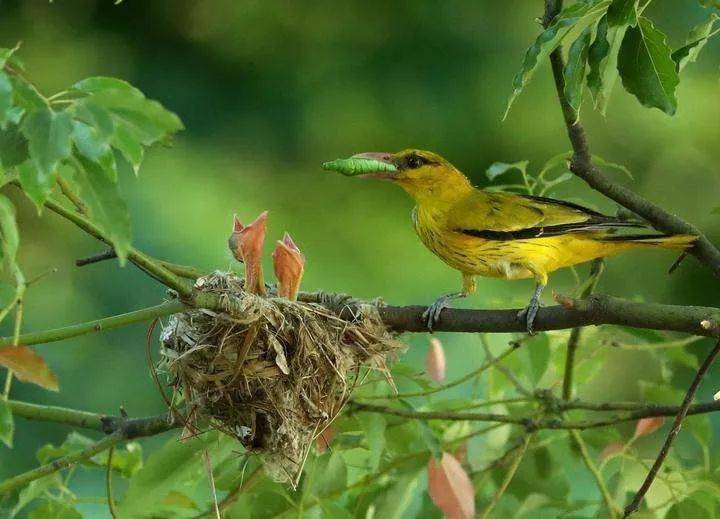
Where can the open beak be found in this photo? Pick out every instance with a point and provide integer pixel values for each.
(380, 157)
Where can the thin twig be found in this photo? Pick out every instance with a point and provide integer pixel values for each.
(487, 365)
(503, 369)
(108, 484)
(508, 477)
(590, 464)
(674, 430)
(574, 340)
(60, 464)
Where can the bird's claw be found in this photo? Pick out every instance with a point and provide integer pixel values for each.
(432, 314)
(528, 314)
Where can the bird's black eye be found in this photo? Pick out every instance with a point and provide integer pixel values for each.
(415, 161)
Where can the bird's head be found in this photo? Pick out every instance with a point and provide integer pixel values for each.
(426, 176)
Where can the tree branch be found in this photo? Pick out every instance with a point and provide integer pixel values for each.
(59, 464)
(583, 167)
(674, 430)
(98, 325)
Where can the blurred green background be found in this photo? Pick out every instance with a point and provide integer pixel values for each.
(270, 89)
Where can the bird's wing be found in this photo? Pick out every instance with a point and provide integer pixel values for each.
(502, 216)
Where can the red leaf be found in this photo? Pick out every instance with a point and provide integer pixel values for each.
(325, 438)
(28, 366)
(450, 487)
(289, 264)
(647, 426)
(435, 362)
(610, 449)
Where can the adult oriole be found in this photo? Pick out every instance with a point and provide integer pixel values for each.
(502, 235)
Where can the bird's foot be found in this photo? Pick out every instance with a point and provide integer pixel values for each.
(528, 314)
(432, 314)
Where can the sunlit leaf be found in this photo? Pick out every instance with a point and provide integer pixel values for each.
(106, 206)
(48, 134)
(647, 68)
(95, 146)
(7, 425)
(28, 366)
(576, 16)
(450, 487)
(695, 42)
(574, 72)
(599, 161)
(435, 361)
(646, 426)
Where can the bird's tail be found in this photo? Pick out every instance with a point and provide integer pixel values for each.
(664, 241)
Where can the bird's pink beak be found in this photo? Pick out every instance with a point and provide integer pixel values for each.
(380, 156)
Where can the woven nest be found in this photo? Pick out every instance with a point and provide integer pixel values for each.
(271, 372)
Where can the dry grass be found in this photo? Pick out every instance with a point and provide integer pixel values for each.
(271, 372)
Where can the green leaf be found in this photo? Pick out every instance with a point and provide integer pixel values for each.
(330, 474)
(647, 68)
(138, 121)
(374, 427)
(106, 206)
(13, 146)
(27, 96)
(574, 72)
(537, 351)
(426, 433)
(176, 466)
(603, 53)
(126, 460)
(397, 500)
(577, 16)
(695, 42)
(7, 425)
(55, 510)
(598, 160)
(48, 134)
(9, 238)
(6, 97)
(5, 54)
(36, 489)
(95, 146)
(500, 168)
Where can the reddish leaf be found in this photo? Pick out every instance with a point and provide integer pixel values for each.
(288, 263)
(450, 487)
(325, 438)
(435, 361)
(647, 426)
(28, 366)
(246, 243)
(610, 449)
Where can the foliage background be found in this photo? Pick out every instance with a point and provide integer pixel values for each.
(269, 90)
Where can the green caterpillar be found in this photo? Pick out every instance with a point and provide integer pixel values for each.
(352, 167)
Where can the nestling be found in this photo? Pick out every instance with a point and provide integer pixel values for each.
(502, 235)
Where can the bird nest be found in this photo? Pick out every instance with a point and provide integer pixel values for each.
(273, 373)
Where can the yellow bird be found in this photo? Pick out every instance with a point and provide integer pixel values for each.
(504, 235)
